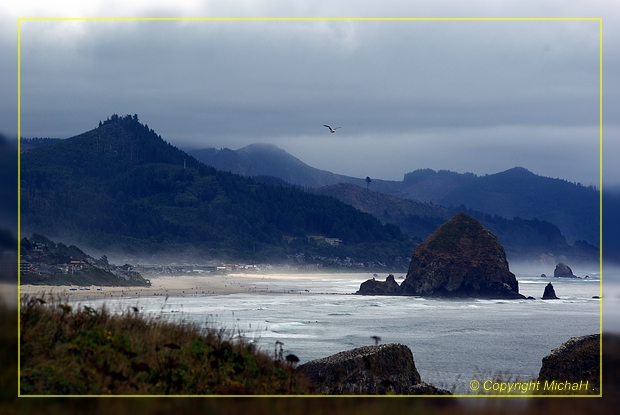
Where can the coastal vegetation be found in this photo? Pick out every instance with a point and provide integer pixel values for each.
(67, 349)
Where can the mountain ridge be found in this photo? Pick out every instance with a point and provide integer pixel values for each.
(515, 192)
(268, 160)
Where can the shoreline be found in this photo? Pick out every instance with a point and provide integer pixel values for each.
(197, 284)
(180, 285)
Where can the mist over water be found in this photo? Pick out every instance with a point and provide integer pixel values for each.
(453, 340)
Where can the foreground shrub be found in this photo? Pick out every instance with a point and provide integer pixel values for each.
(94, 352)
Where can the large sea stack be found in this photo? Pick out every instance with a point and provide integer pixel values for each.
(461, 259)
(563, 271)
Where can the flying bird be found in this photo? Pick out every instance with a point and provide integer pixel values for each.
(331, 130)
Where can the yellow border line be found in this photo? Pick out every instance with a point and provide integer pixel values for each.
(600, 203)
(311, 19)
(600, 20)
(19, 204)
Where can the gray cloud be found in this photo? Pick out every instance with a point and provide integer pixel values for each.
(465, 96)
(230, 84)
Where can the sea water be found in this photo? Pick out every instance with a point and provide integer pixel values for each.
(453, 340)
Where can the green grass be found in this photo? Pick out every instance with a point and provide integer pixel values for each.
(94, 352)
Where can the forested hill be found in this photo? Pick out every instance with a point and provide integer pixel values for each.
(121, 187)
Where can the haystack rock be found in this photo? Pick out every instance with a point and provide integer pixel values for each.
(461, 259)
(381, 369)
(576, 364)
(374, 287)
(563, 271)
(549, 293)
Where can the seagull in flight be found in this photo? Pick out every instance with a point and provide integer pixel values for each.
(331, 130)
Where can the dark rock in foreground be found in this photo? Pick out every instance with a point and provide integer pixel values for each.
(563, 271)
(461, 259)
(574, 366)
(549, 293)
(374, 287)
(368, 370)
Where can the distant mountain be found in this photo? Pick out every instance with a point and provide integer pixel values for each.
(516, 192)
(520, 193)
(122, 188)
(532, 240)
(268, 160)
(432, 186)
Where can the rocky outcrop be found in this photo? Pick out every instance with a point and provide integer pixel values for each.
(461, 259)
(549, 293)
(374, 287)
(576, 361)
(382, 369)
(563, 271)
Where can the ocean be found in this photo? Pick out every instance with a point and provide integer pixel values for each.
(453, 341)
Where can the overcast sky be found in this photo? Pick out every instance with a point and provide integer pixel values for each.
(467, 96)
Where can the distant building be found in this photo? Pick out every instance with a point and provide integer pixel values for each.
(74, 266)
(333, 241)
(316, 238)
(25, 266)
(319, 238)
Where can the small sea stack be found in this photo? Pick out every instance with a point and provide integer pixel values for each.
(374, 287)
(549, 293)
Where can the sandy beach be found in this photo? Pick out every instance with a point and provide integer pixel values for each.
(181, 285)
